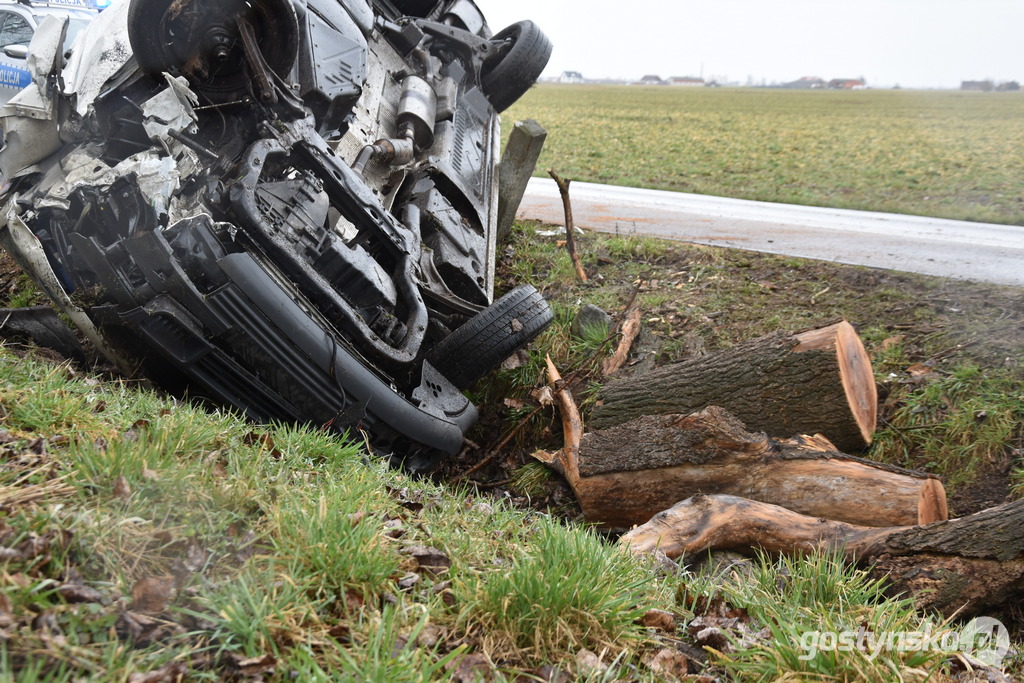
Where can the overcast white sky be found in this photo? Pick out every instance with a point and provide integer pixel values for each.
(913, 43)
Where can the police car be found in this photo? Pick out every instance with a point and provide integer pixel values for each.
(18, 22)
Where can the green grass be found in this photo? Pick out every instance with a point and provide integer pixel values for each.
(548, 601)
(277, 548)
(791, 598)
(956, 423)
(944, 154)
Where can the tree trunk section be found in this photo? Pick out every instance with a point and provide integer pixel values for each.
(816, 382)
(630, 472)
(963, 566)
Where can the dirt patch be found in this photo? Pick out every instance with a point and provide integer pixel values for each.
(990, 488)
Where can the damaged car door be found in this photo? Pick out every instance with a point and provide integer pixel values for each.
(286, 206)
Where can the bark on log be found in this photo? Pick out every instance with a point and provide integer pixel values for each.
(630, 472)
(816, 382)
(963, 565)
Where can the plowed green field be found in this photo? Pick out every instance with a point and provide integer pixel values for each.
(936, 153)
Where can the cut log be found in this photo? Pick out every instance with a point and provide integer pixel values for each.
(630, 472)
(816, 382)
(960, 566)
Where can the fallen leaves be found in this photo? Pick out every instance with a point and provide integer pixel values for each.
(659, 620)
(589, 664)
(34, 548)
(143, 630)
(172, 672)
(152, 594)
(670, 663)
(122, 490)
(251, 667)
(428, 559)
(265, 441)
(471, 668)
(77, 592)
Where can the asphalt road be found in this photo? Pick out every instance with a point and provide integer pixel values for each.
(984, 252)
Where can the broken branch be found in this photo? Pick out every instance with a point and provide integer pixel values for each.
(630, 331)
(570, 237)
(572, 425)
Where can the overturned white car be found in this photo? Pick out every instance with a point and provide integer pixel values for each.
(286, 206)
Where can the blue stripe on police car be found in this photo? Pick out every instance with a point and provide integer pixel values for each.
(14, 77)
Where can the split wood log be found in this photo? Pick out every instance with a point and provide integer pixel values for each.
(630, 472)
(816, 382)
(963, 565)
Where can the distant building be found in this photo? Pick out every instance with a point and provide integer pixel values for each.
(977, 86)
(571, 77)
(805, 83)
(687, 82)
(651, 79)
(847, 84)
(1008, 86)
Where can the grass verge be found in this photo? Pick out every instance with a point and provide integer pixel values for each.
(139, 534)
(946, 353)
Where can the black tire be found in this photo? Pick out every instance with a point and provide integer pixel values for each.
(518, 66)
(491, 336)
(205, 46)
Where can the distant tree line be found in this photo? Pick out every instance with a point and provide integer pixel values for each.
(989, 86)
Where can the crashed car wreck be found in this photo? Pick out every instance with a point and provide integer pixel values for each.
(285, 206)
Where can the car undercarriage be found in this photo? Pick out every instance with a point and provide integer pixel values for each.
(284, 206)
